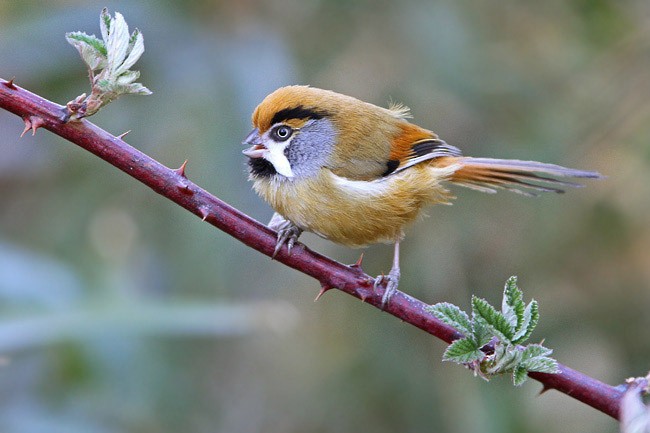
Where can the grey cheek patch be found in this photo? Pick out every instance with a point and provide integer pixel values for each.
(311, 147)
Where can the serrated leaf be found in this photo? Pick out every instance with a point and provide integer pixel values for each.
(513, 305)
(105, 23)
(463, 351)
(134, 51)
(138, 89)
(127, 77)
(529, 323)
(535, 357)
(452, 316)
(91, 49)
(542, 364)
(535, 350)
(92, 40)
(492, 319)
(519, 376)
(482, 335)
(118, 42)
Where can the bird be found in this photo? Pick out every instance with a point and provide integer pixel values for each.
(359, 174)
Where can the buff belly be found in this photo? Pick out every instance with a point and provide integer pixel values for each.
(356, 213)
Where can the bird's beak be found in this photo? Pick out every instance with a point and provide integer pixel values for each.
(256, 149)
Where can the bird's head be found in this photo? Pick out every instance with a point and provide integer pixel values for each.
(294, 133)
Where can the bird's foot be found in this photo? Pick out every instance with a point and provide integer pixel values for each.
(287, 236)
(288, 233)
(392, 280)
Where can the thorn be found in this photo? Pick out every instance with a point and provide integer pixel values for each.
(37, 122)
(358, 262)
(323, 288)
(544, 389)
(122, 135)
(33, 123)
(28, 126)
(181, 170)
(366, 289)
(204, 214)
(10, 83)
(366, 293)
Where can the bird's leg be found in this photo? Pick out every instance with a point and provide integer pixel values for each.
(392, 279)
(288, 233)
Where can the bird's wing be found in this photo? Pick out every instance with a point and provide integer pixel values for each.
(376, 157)
(423, 150)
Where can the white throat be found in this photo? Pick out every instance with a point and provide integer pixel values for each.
(275, 155)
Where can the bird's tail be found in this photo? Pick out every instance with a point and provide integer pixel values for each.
(524, 177)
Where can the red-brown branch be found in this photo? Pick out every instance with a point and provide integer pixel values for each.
(172, 184)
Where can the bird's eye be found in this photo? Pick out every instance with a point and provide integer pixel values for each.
(281, 133)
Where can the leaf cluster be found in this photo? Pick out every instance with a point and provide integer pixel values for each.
(112, 56)
(506, 329)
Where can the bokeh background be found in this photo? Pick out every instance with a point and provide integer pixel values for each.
(121, 312)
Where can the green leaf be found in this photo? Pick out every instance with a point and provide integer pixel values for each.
(534, 350)
(128, 77)
(481, 333)
(529, 323)
(505, 329)
(519, 376)
(505, 360)
(112, 56)
(138, 89)
(492, 319)
(105, 21)
(452, 316)
(513, 304)
(535, 357)
(117, 42)
(463, 351)
(91, 40)
(542, 364)
(134, 51)
(91, 49)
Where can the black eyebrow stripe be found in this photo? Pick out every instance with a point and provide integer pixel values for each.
(298, 112)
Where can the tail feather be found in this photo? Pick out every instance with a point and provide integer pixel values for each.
(523, 177)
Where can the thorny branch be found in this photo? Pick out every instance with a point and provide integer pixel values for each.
(37, 112)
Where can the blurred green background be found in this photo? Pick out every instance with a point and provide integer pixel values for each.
(121, 312)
